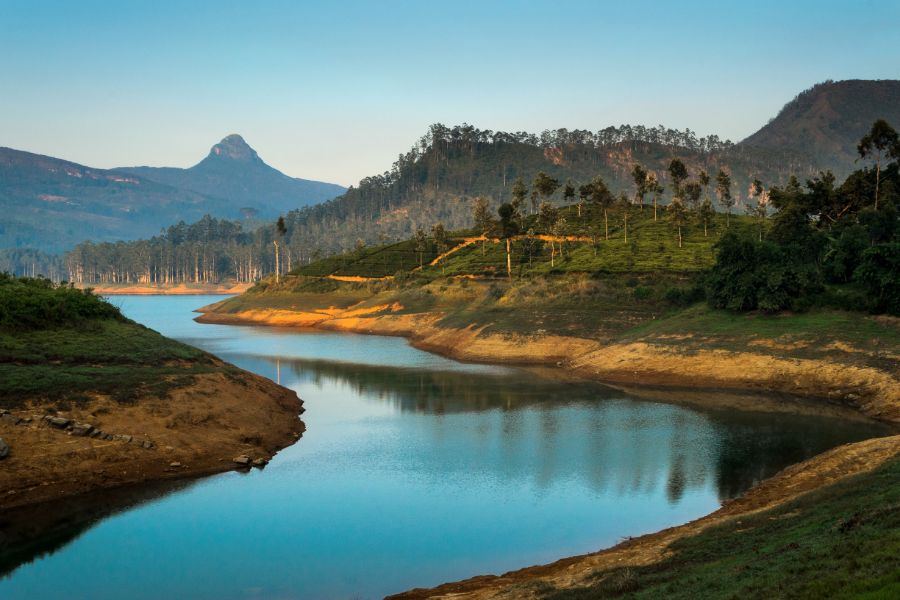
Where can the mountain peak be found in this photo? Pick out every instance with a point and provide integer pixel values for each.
(234, 147)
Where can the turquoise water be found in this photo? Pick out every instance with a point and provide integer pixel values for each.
(414, 470)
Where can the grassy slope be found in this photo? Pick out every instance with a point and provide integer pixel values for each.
(90, 350)
(842, 541)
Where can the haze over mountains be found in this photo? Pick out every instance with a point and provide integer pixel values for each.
(52, 204)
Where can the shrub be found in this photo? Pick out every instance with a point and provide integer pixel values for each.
(879, 274)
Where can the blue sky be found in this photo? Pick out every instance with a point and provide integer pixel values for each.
(335, 90)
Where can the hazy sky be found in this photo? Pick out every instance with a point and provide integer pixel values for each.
(335, 90)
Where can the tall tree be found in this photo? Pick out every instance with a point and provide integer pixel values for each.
(655, 188)
(584, 192)
(639, 176)
(881, 140)
(548, 216)
(603, 199)
(569, 194)
(519, 194)
(280, 230)
(723, 193)
(421, 241)
(705, 214)
(482, 218)
(692, 191)
(439, 235)
(508, 228)
(545, 185)
(758, 207)
(704, 179)
(624, 205)
(678, 174)
(678, 216)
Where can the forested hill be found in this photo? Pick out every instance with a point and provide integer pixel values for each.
(825, 122)
(436, 180)
(235, 173)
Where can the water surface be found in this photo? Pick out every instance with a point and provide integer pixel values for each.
(414, 470)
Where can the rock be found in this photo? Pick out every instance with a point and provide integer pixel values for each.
(175, 464)
(148, 444)
(242, 460)
(10, 418)
(126, 438)
(3, 411)
(82, 429)
(59, 422)
(109, 436)
(4, 449)
(96, 433)
(260, 462)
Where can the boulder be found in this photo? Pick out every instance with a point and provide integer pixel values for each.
(242, 460)
(175, 464)
(260, 462)
(59, 422)
(4, 449)
(10, 418)
(82, 429)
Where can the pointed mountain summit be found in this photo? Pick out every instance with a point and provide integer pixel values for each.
(233, 147)
(234, 173)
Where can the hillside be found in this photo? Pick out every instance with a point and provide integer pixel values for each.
(234, 173)
(825, 122)
(90, 399)
(53, 204)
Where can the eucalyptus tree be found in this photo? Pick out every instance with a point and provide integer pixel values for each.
(584, 192)
(280, 230)
(705, 214)
(569, 193)
(723, 193)
(655, 188)
(624, 205)
(482, 217)
(603, 199)
(704, 179)
(421, 244)
(881, 141)
(759, 208)
(519, 193)
(692, 192)
(545, 185)
(678, 216)
(641, 183)
(548, 217)
(508, 228)
(678, 174)
(439, 235)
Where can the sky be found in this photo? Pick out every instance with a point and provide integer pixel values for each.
(335, 90)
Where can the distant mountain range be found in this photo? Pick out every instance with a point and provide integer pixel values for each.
(53, 204)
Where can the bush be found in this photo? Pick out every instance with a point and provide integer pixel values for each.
(28, 304)
(752, 275)
(879, 273)
(685, 296)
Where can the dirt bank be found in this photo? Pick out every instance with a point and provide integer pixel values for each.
(170, 290)
(197, 430)
(760, 370)
(577, 571)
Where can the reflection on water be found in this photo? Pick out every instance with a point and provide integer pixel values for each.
(413, 470)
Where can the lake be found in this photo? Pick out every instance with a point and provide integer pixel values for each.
(414, 470)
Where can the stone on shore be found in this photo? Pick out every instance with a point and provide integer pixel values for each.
(82, 429)
(242, 460)
(4, 449)
(59, 422)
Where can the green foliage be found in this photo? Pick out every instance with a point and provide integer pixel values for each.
(751, 275)
(30, 304)
(879, 273)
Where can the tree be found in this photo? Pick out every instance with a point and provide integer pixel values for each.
(508, 228)
(549, 216)
(519, 193)
(624, 205)
(603, 199)
(692, 193)
(421, 244)
(545, 185)
(655, 188)
(704, 180)
(705, 214)
(584, 192)
(882, 139)
(639, 176)
(678, 173)
(569, 194)
(482, 218)
(758, 208)
(439, 235)
(723, 193)
(280, 230)
(678, 215)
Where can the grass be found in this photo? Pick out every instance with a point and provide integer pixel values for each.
(73, 345)
(842, 541)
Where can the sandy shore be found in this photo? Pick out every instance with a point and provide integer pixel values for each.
(176, 290)
(757, 379)
(198, 429)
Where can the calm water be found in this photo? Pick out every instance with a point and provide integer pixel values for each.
(414, 470)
